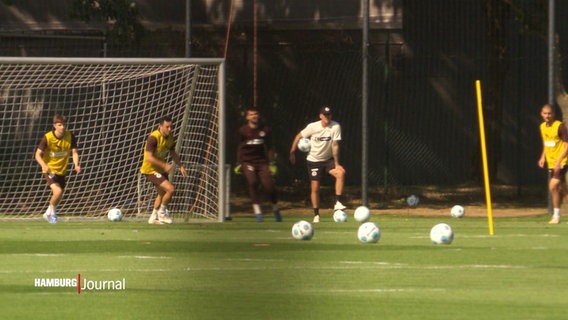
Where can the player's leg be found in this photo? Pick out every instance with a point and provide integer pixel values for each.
(166, 189)
(315, 170)
(157, 203)
(557, 191)
(315, 197)
(56, 194)
(56, 184)
(267, 182)
(250, 173)
(339, 175)
(554, 187)
(157, 180)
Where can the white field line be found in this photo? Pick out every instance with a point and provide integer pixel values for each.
(385, 290)
(387, 265)
(84, 271)
(145, 257)
(62, 255)
(350, 265)
(481, 236)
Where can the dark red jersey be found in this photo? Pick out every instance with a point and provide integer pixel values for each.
(254, 144)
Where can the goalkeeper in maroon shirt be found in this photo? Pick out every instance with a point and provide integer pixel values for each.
(255, 159)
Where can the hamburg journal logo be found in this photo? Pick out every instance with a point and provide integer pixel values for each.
(81, 284)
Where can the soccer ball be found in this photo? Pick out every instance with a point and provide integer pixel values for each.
(340, 216)
(457, 211)
(114, 214)
(362, 214)
(412, 201)
(369, 232)
(304, 145)
(302, 230)
(441, 234)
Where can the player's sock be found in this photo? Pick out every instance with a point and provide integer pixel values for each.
(256, 208)
(316, 211)
(276, 212)
(47, 213)
(556, 213)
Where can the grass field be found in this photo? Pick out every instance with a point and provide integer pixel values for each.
(247, 270)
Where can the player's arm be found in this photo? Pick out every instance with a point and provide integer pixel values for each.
(335, 154)
(177, 160)
(151, 145)
(293, 148)
(75, 156)
(39, 160)
(563, 133)
(542, 158)
(240, 145)
(39, 155)
(335, 151)
(157, 162)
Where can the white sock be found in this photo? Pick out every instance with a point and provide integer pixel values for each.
(154, 212)
(256, 208)
(556, 213)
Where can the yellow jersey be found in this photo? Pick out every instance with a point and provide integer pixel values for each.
(159, 146)
(553, 143)
(56, 151)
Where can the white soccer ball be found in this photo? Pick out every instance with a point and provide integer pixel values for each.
(362, 214)
(340, 216)
(302, 230)
(369, 232)
(114, 214)
(412, 201)
(442, 234)
(457, 211)
(304, 145)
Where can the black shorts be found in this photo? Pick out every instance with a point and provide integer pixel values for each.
(316, 170)
(561, 175)
(52, 178)
(157, 178)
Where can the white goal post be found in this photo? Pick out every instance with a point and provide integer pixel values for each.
(112, 105)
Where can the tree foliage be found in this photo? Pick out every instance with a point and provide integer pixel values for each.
(120, 16)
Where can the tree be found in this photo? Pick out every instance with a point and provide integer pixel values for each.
(533, 19)
(496, 12)
(120, 16)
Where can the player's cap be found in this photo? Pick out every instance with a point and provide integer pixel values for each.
(326, 110)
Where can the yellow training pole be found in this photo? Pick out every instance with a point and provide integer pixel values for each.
(484, 156)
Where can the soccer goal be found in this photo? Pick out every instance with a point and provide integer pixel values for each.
(112, 105)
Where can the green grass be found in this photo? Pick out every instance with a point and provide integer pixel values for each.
(245, 270)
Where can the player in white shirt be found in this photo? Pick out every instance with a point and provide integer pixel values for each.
(323, 157)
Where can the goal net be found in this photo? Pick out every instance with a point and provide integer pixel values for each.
(112, 105)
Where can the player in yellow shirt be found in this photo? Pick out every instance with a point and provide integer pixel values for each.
(156, 168)
(52, 155)
(555, 149)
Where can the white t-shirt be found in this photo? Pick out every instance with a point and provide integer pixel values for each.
(321, 139)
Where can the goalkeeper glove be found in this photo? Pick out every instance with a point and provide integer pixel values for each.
(273, 168)
(237, 169)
